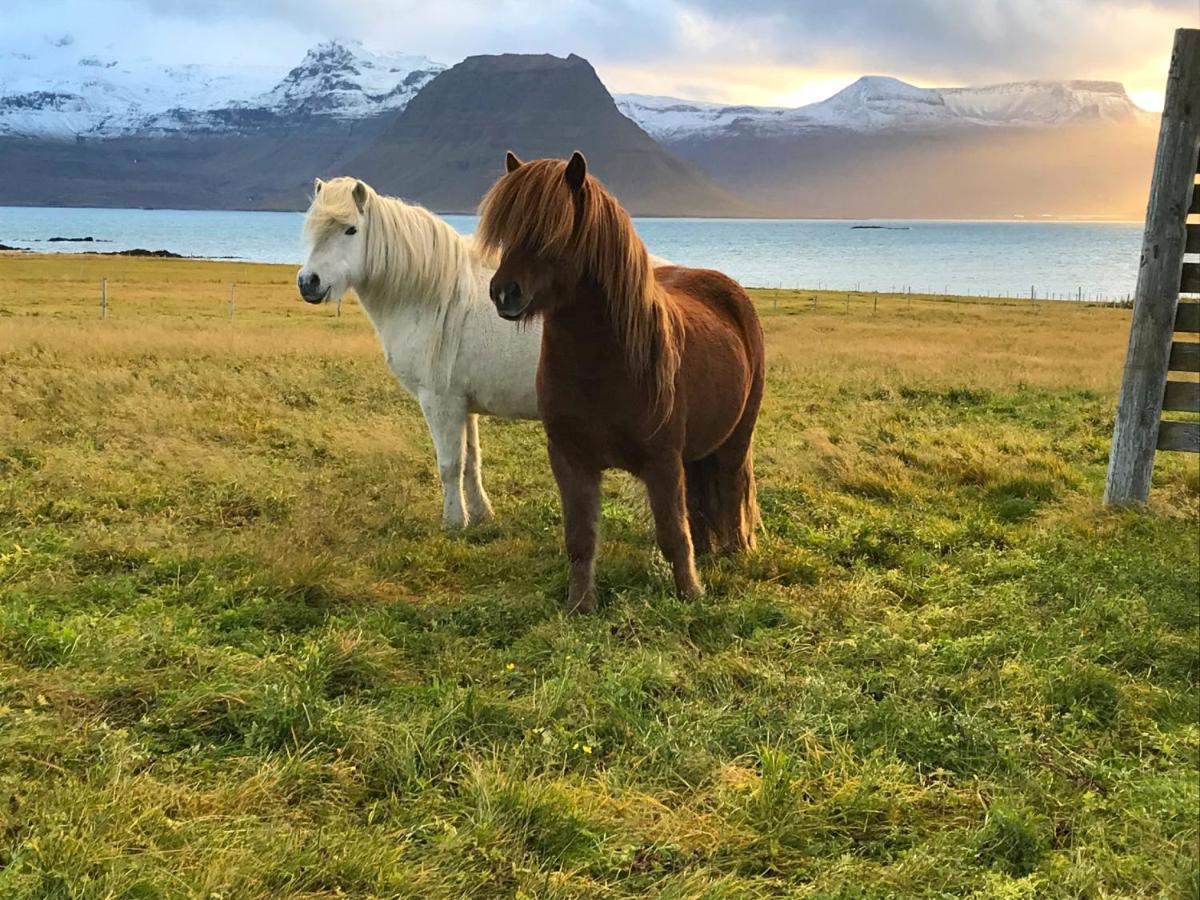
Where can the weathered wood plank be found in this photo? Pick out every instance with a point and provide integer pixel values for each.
(1187, 317)
(1179, 436)
(1143, 383)
(1192, 244)
(1189, 281)
(1184, 357)
(1182, 396)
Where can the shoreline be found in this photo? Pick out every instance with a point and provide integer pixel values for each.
(760, 292)
(1016, 218)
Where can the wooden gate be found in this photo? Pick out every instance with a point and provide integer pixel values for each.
(1169, 268)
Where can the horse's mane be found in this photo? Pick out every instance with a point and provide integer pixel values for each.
(411, 253)
(533, 207)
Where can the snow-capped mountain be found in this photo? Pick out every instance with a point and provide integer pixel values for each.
(91, 130)
(60, 94)
(348, 81)
(63, 96)
(875, 103)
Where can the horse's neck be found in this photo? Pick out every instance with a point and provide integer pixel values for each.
(580, 328)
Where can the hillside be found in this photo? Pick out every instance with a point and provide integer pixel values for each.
(1097, 169)
(884, 148)
(448, 145)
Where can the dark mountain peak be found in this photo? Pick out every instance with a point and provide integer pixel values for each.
(517, 81)
(447, 146)
(523, 62)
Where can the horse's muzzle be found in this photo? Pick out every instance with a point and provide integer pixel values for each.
(508, 301)
(310, 288)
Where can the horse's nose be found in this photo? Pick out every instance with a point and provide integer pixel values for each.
(503, 295)
(507, 299)
(309, 284)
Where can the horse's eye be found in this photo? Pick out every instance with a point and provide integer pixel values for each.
(351, 230)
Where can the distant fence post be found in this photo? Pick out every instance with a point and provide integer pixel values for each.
(1162, 276)
(103, 298)
(231, 300)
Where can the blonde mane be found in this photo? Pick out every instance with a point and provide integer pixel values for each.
(533, 207)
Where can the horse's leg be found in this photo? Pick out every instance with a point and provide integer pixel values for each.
(668, 501)
(447, 420)
(579, 488)
(479, 508)
(700, 482)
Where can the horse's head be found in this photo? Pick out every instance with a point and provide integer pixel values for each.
(530, 215)
(335, 227)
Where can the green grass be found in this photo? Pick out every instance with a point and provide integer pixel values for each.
(239, 658)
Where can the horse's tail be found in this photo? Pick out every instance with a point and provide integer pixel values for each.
(722, 502)
(722, 496)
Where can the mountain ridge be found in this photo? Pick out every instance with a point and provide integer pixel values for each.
(99, 131)
(874, 102)
(345, 79)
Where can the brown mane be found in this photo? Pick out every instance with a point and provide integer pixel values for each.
(533, 207)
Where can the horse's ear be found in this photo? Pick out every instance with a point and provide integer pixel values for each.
(511, 163)
(576, 170)
(317, 185)
(360, 196)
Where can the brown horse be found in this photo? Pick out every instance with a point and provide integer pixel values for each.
(655, 371)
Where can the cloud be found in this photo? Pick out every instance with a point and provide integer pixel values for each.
(676, 44)
(969, 40)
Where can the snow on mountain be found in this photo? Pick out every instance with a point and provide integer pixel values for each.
(1044, 102)
(348, 81)
(667, 118)
(59, 94)
(62, 96)
(879, 102)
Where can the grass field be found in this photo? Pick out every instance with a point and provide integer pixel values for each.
(239, 658)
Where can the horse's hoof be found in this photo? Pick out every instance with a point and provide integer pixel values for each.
(582, 605)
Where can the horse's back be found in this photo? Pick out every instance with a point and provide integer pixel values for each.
(706, 294)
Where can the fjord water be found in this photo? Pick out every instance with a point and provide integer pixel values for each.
(1008, 258)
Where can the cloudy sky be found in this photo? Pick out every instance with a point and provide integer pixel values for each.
(783, 52)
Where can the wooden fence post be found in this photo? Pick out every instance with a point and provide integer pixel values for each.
(231, 296)
(104, 298)
(1172, 196)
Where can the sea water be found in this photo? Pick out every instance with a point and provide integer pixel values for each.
(1096, 259)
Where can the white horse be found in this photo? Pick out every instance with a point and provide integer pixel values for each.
(425, 289)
